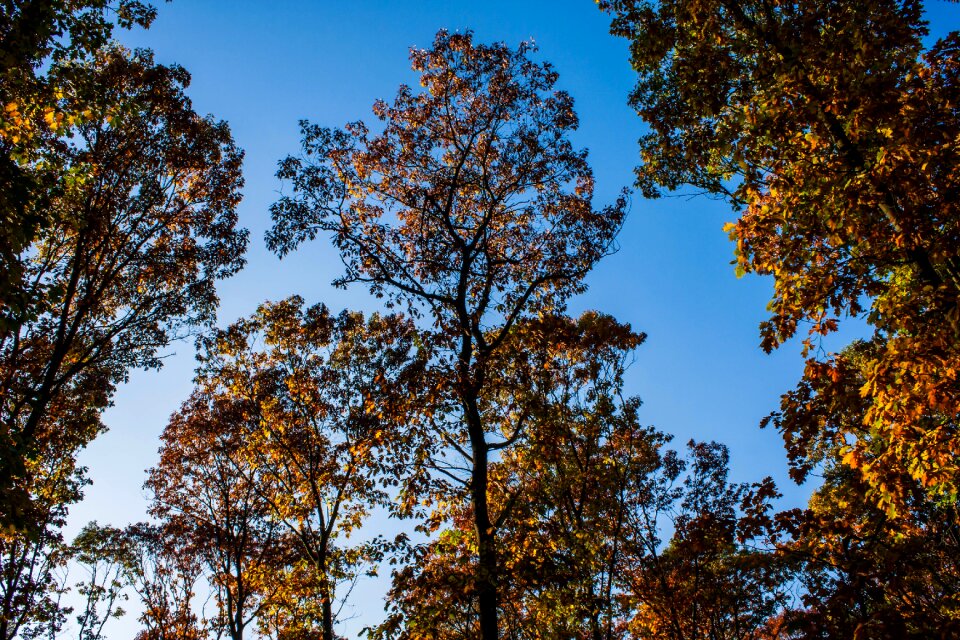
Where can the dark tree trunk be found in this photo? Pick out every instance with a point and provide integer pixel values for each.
(487, 567)
(327, 607)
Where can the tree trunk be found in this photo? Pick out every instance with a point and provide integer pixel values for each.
(487, 569)
(327, 607)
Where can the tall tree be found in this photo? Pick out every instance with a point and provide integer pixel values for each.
(844, 161)
(867, 575)
(561, 546)
(31, 565)
(103, 555)
(470, 206)
(142, 224)
(864, 571)
(568, 478)
(720, 574)
(326, 431)
(598, 564)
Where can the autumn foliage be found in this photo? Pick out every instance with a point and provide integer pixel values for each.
(472, 207)
(492, 431)
(843, 159)
(119, 216)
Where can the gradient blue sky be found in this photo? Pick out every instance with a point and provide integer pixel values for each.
(262, 66)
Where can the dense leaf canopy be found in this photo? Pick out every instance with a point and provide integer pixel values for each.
(844, 161)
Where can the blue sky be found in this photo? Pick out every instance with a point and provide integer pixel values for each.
(262, 66)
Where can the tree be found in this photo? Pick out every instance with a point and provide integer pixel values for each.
(142, 224)
(103, 554)
(470, 206)
(33, 35)
(322, 429)
(127, 264)
(568, 478)
(559, 540)
(867, 575)
(720, 575)
(843, 159)
(595, 565)
(214, 509)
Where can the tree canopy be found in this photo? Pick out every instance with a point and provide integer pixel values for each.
(469, 434)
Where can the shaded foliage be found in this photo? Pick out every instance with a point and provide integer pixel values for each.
(212, 506)
(865, 571)
(34, 34)
(127, 264)
(141, 225)
(843, 162)
(163, 580)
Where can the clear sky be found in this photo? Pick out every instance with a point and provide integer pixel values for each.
(262, 66)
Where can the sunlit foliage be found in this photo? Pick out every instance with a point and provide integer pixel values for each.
(470, 206)
(843, 159)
